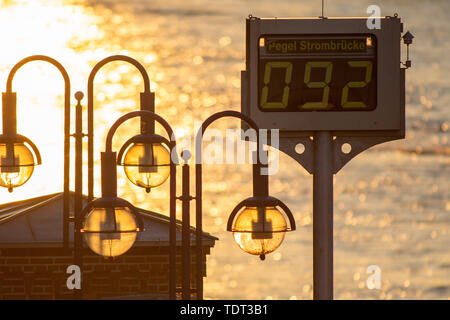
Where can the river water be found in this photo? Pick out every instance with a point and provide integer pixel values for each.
(392, 203)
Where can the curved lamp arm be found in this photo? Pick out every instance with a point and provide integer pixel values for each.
(217, 116)
(107, 60)
(142, 113)
(147, 103)
(22, 62)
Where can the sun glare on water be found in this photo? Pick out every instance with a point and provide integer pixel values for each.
(391, 202)
(67, 32)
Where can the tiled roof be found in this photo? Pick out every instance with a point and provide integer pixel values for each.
(37, 222)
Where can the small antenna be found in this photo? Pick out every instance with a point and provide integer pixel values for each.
(323, 9)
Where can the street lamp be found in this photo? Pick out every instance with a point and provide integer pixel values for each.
(112, 247)
(257, 223)
(146, 160)
(18, 154)
(260, 227)
(110, 224)
(110, 227)
(17, 160)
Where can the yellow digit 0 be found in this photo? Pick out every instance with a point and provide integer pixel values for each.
(287, 80)
(356, 84)
(318, 84)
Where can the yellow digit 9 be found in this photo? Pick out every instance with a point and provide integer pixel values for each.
(287, 80)
(318, 84)
(356, 84)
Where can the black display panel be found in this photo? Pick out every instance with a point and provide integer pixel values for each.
(317, 74)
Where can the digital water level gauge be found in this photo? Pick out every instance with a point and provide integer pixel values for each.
(327, 89)
(333, 74)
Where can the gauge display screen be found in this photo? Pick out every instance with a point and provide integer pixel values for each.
(326, 73)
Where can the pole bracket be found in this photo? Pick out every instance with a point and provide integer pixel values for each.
(345, 147)
(78, 135)
(185, 198)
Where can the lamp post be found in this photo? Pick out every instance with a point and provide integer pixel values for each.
(147, 102)
(16, 162)
(258, 229)
(109, 190)
(110, 224)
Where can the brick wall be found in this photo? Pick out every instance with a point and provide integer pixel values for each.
(40, 273)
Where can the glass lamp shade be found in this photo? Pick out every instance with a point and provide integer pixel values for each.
(16, 164)
(259, 230)
(110, 232)
(147, 165)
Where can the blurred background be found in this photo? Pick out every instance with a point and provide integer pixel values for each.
(392, 203)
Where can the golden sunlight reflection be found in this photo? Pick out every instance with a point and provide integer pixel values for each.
(39, 85)
(71, 34)
(391, 202)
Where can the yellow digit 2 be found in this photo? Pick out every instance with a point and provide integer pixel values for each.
(356, 84)
(287, 80)
(318, 84)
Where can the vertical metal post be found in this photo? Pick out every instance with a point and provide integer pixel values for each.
(66, 194)
(323, 216)
(198, 229)
(9, 102)
(109, 174)
(172, 233)
(147, 103)
(78, 240)
(186, 237)
(260, 181)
